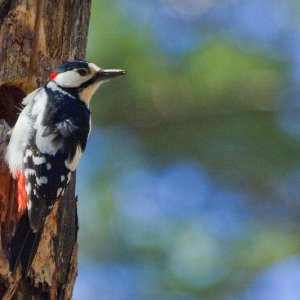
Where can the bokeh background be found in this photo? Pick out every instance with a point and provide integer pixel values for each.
(190, 185)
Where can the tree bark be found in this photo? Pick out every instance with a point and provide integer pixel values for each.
(35, 37)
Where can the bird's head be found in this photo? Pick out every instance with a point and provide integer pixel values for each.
(82, 77)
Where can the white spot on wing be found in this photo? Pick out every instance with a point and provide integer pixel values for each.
(48, 165)
(62, 178)
(45, 144)
(28, 188)
(29, 205)
(41, 180)
(28, 172)
(38, 160)
(59, 190)
(69, 176)
(28, 153)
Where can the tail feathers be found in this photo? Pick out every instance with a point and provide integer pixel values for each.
(23, 245)
(29, 251)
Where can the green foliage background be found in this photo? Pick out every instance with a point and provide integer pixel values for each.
(216, 106)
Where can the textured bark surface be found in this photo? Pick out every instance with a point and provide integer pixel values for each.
(35, 37)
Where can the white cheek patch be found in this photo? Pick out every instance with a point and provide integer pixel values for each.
(70, 79)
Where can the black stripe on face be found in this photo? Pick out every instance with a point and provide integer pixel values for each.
(88, 83)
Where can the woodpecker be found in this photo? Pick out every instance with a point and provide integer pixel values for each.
(45, 147)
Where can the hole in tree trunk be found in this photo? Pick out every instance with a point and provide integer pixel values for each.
(10, 103)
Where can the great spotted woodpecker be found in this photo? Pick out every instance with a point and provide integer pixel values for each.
(46, 144)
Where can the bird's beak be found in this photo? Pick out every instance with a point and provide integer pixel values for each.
(105, 74)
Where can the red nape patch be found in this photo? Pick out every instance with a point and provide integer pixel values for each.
(53, 75)
(22, 202)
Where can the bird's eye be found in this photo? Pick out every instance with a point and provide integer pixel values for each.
(83, 72)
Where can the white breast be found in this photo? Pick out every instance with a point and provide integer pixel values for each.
(21, 134)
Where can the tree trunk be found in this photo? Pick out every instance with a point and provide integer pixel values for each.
(35, 37)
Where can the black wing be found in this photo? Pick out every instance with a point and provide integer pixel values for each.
(46, 178)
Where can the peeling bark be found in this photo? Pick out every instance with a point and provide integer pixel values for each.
(35, 37)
